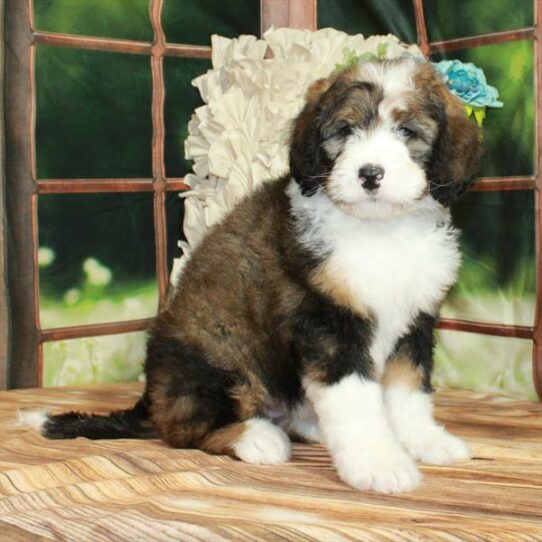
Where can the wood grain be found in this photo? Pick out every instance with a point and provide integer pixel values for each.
(138, 490)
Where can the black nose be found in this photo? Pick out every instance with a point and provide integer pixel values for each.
(370, 176)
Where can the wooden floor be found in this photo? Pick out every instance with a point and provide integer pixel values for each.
(125, 490)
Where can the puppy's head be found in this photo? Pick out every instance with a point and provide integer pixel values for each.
(379, 137)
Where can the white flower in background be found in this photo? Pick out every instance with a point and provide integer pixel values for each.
(97, 274)
(73, 369)
(72, 296)
(132, 305)
(46, 256)
(239, 138)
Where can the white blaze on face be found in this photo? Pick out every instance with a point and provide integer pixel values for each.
(403, 181)
(380, 145)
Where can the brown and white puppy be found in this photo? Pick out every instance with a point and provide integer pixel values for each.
(309, 311)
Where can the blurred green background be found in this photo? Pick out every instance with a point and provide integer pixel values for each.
(93, 120)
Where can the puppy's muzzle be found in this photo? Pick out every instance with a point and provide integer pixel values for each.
(370, 176)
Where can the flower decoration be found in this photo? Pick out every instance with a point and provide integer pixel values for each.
(469, 84)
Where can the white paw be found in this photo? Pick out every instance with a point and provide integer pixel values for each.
(390, 471)
(263, 443)
(438, 447)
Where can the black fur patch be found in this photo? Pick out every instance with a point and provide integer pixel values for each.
(332, 342)
(175, 370)
(418, 345)
(129, 423)
(455, 156)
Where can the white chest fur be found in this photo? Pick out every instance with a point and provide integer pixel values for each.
(396, 268)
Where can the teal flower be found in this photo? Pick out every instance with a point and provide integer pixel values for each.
(468, 83)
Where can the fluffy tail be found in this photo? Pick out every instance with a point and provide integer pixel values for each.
(130, 423)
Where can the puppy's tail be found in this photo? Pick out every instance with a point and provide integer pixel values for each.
(130, 423)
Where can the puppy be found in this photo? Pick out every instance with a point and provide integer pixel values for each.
(309, 311)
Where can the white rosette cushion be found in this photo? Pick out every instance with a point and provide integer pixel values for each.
(239, 138)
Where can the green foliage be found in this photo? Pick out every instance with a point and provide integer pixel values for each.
(121, 19)
(193, 21)
(369, 17)
(114, 358)
(351, 58)
(115, 229)
(485, 363)
(96, 359)
(93, 114)
(508, 132)
(498, 238)
(97, 298)
(447, 19)
(91, 305)
(181, 101)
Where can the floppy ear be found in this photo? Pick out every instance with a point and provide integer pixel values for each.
(305, 154)
(457, 150)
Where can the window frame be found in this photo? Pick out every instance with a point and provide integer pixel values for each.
(24, 366)
(4, 313)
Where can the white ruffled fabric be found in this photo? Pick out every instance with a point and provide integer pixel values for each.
(239, 138)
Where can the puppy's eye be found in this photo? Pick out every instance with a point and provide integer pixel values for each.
(340, 131)
(344, 131)
(406, 132)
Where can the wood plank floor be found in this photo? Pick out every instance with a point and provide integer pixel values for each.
(137, 490)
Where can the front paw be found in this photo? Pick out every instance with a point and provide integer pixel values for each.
(262, 443)
(438, 447)
(382, 470)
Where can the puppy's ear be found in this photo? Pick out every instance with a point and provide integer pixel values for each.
(457, 149)
(305, 154)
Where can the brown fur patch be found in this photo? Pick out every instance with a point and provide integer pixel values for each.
(251, 293)
(320, 86)
(401, 371)
(317, 89)
(417, 116)
(327, 280)
(316, 373)
(222, 441)
(250, 397)
(427, 80)
(359, 106)
(234, 307)
(172, 416)
(458, 149)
